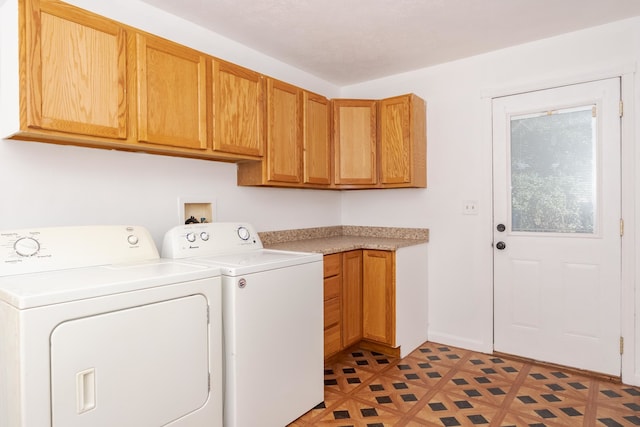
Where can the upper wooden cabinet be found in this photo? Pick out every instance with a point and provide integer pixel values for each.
(380, 144)
(372, 144)
(238, 109)
(73, 77)
(172, 93)
(75, 71)
(354, 141)
(87, 80)
(317, 139)
(402, 140)
(298, 144)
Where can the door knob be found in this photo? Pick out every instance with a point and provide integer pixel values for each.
(500, 245)
(501, 227)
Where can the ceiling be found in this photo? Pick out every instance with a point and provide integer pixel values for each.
(350, 41)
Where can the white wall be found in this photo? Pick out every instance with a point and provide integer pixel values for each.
(459, 167)
(43, 185)
(155, 21)
(50, 185)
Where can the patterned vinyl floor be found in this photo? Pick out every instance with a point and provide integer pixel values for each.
(437, 385)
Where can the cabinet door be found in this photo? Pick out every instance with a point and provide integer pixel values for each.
(284, 132)
(354, 139)
(171, 94)
(379, 305)
(351, 297)
(402, 141)
(317, 144)
(75, 72)
(238, 110)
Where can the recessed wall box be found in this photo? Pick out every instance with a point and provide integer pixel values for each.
(198, 209)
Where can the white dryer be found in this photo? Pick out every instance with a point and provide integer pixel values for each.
(272, 305)
(96, 330)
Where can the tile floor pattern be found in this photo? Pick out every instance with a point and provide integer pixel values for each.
(438, 385)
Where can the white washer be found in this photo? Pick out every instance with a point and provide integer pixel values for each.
(96, 330)
(272, 321)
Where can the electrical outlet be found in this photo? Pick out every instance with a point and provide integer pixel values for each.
(470, 207)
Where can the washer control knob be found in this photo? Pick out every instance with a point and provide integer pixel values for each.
(204, 236)
(243, 233)
(133, 239)
(26, 246)
(191, 237)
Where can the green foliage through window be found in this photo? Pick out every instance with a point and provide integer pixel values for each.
(553, 171)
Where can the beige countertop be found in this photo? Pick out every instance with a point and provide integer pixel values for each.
(328, 240)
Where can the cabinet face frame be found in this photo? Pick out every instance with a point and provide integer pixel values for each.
(161, 98)
(97, 82)
(238, 109)
(351, 297)
(355, 141)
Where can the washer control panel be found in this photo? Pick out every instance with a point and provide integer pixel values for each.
(190, 240)
(57, 248)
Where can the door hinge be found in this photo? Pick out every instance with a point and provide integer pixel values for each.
(621, 108)
(621, 345)
(621, 227)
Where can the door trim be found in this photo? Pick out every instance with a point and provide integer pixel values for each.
(630, 300)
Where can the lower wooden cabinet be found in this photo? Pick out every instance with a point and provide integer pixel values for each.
(359, 300)
(377, 299)
(332, 304)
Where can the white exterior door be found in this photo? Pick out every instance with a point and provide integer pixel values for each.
(557, 225)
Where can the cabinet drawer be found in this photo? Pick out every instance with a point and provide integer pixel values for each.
(331, 287)
(331, 312)
(331, 340)
(332, 265)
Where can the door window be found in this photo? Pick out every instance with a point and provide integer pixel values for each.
(554, 171)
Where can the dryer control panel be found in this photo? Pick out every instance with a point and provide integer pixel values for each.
(58, 248)
(215, 238)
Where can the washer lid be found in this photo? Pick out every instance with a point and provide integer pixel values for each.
(53, 287)
(259, 260)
